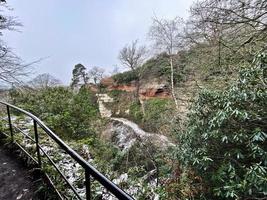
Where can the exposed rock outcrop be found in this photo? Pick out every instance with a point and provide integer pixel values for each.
(124, 133)
(104, 98)
(110, 84)
(108, 81)
(153, 88)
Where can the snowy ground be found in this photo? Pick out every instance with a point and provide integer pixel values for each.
(73, 171)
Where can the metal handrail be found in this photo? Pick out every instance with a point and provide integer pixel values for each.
(89, 169)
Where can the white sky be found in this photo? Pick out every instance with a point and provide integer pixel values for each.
(90, 32)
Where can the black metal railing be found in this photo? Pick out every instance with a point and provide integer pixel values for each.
(89, 170)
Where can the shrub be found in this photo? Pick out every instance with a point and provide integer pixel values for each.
(125, 77)
(225, 142)
(68, 114)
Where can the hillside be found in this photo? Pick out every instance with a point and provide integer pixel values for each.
(186, 121)
(154, 92)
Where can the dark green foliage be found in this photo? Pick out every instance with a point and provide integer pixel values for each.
(79, 75)
(226, 139)
(68, 114)
(125, 77)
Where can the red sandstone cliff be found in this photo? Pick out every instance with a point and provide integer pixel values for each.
(151, 89)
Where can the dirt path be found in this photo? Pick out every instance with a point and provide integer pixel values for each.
(15, 179)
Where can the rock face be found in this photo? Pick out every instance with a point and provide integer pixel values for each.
(110, 84)
(120, 135)
(124, 133)
(109, 81)
(104, 98)
(153, 88)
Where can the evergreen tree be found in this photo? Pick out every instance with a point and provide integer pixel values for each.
(79, 76)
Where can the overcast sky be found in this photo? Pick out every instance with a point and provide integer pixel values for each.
(90, 32)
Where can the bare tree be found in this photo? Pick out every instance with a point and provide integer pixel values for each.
(133, 56)
(232, 29)
(96, 74)
(236, 16)
(44, 81)
(167, 36)
(9, 23)
(12, 69)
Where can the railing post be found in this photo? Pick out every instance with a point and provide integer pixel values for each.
(10, 124)
(37, 143)
(88, 184)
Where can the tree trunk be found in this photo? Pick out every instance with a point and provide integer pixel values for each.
(142, 106)
(172, 83)
(137, 84)
(137, 87)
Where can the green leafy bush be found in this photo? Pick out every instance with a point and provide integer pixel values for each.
(225, 142)
(125, 77)
(68, 114)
